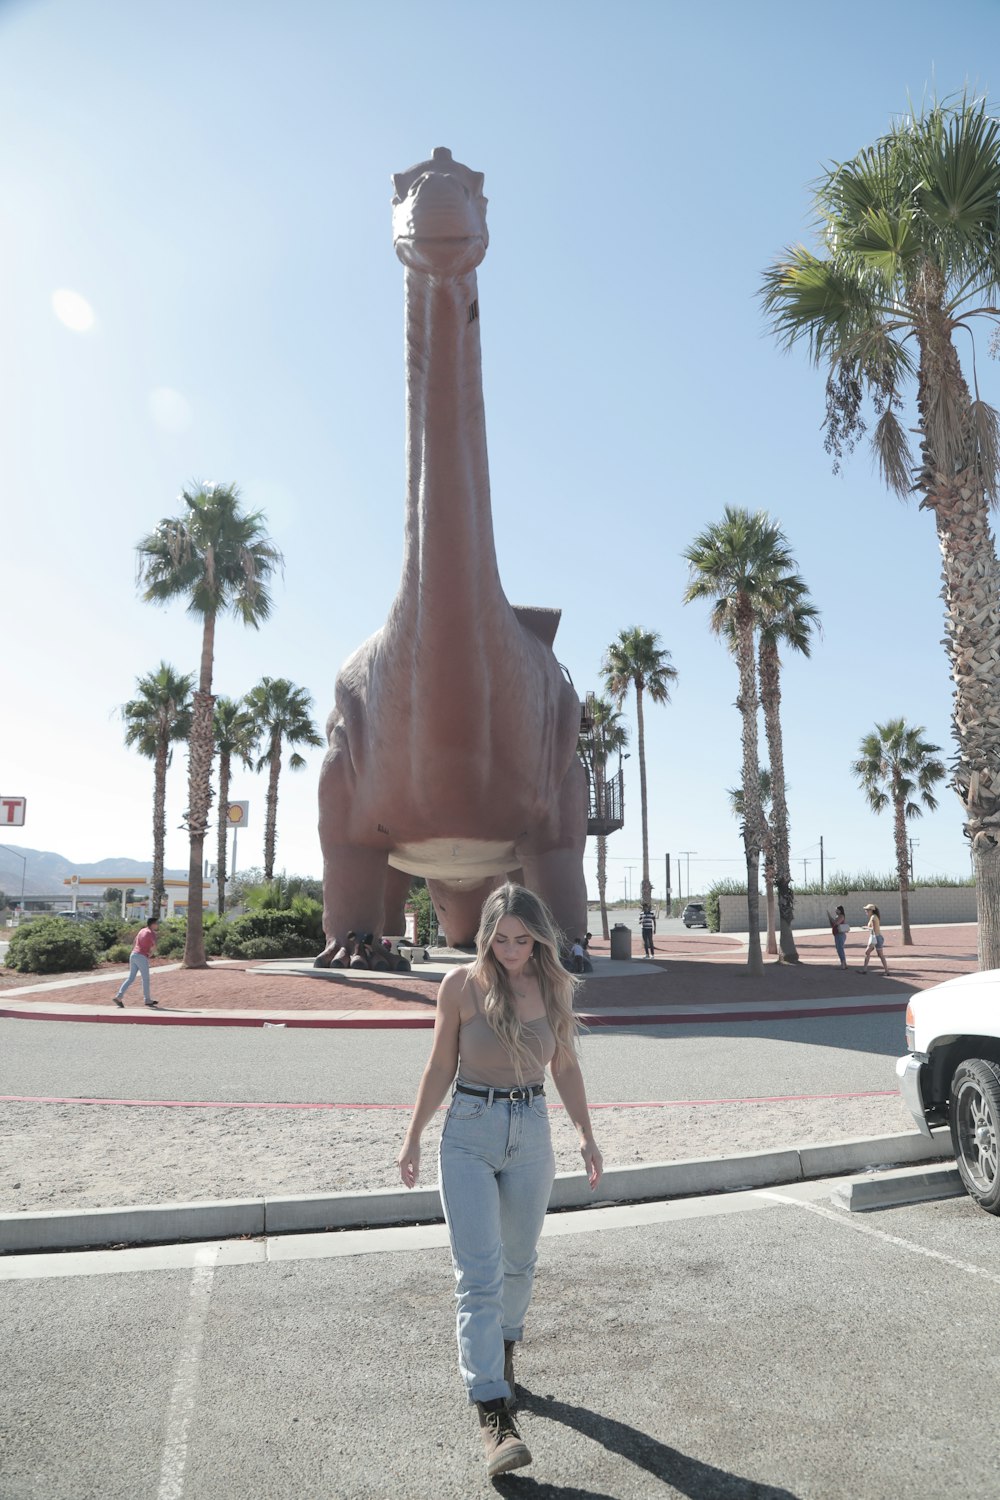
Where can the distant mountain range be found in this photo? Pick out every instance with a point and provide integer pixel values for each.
(44, 872)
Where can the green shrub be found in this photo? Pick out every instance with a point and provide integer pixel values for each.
(51, 946)
(118, 953)
(291, 934)
(109, 931)
(171, 936)
(420, 897)
(263, 947)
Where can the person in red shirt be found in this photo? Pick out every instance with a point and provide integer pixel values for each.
(138, 965)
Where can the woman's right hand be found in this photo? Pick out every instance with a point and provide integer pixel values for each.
(408, 1162)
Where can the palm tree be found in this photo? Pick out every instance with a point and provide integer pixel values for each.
(155, 720)
(281, 713)
(735, 561)
(895, 763)
(636, 659)
(784, 617)
(910, 255)
(219, 558)
(607, 734)
(233, 733)
(770, 868)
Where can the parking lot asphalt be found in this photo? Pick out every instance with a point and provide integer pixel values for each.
(750, 1347)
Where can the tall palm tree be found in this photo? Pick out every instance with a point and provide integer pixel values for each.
(155, 720)
(233, 733)
(734, 562)
(785, 617)
(219, 558)
(910, 255)
(770, 868)
(607, 734)
(281, 714)
(636, 659)
(895, 763)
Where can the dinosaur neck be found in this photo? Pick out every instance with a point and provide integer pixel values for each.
(449, 560)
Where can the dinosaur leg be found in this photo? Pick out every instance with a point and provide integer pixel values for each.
(353, 895)
(459, 906)
(557, 876)
(555, 871)
(397, 888)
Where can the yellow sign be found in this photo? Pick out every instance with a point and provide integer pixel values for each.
(238, 814)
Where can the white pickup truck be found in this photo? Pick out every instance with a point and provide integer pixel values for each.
(951, 1075)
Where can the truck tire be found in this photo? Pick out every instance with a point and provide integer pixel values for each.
(974, 1115)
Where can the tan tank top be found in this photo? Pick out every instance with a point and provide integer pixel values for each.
(483, 1059)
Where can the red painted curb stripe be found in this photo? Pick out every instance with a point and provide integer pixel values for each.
(405, 1021)
(253, 1104)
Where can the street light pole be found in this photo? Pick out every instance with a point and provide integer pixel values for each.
(24, 865)
(687, 853)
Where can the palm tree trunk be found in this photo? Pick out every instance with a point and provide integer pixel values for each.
(646, 888)
(202, 745)
(220, 855)
(770, 693)
(271, 814)
(159, 824)
(902, 866)
(602, 882)
(772, 945)
(971, 577)
(752, 814)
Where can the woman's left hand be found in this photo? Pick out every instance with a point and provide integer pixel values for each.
(593, 1161)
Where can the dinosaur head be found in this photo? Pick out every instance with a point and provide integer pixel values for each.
(439, 216)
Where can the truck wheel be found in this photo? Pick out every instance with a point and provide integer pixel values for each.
(974, 1113)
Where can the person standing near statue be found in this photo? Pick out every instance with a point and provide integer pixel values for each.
(138, 965)
(647, 926)
(501, 1020)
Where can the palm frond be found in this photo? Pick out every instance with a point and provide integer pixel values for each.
(985, 421)
(892, 449)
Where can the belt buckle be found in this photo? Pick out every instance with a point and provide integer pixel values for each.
(519, 1095)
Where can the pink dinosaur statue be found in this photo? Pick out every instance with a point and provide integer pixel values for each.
(453, 740)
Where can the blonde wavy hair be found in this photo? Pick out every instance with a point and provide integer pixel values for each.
(556, 983)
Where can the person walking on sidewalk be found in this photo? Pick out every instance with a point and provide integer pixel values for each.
(138, 965)
(839, 925)
(647, 926)
(875, 939)
(501, 1020)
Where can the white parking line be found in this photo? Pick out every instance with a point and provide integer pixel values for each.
(839, 1217)
(182, 1397)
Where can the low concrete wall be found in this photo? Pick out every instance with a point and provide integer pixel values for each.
(928, 904)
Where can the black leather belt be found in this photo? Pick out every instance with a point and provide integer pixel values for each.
(519, 1096)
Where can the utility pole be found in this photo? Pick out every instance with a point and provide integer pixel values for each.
(805, 871)
(911, 844)
(667, 885)
(687, 854)
(628, 885)
(821, 862)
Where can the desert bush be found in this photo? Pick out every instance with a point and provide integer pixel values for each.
(51, 946)
(118, 953)
(171, 936)
(291, 934)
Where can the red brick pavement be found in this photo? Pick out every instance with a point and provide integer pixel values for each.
(691, 970)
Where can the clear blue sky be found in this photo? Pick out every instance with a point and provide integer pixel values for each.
(213, 179)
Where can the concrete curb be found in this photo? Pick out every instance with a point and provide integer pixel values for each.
(896, 1188)
(168, 1223)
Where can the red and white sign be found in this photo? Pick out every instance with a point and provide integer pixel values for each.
(12, 811)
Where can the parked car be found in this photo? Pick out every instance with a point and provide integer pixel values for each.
(694, 915)
(950, 1077)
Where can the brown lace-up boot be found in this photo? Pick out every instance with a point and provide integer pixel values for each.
(508, 1373)
(504, 1445)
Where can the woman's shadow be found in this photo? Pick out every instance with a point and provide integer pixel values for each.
(687, 1476)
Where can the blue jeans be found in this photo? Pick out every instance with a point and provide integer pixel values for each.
(840, 938)
(497, 1169)
(138, 966)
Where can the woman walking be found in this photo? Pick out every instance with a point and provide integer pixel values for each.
(875, 938)
(501, 1021)
(838, 924)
